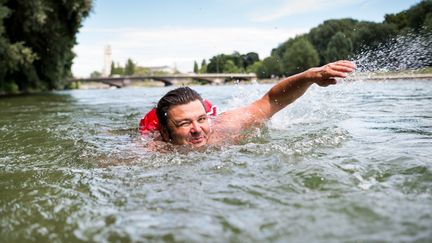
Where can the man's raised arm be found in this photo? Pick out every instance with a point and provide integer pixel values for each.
(286, 92)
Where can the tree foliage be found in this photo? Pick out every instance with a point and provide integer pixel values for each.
(301, 56)
(270, 67)
(412, 18)
(195, 69)
(116, 69)
(233, 63)
(339, 47)
(321, 35)
(203, 68)
(36, 41)
(95, 74)
(129, 67)
(231, 67)
(341, 38)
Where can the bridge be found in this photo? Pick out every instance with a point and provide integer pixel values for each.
(173, 79)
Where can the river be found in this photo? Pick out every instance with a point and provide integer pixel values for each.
(347, 163)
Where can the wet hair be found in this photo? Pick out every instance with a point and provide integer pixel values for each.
(178, 96)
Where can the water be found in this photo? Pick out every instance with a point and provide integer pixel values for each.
(346, 163)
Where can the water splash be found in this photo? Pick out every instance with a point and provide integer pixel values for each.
(406, 53)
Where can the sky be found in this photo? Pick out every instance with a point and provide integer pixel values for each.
(176, 33)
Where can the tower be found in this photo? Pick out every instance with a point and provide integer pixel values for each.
(107, 61)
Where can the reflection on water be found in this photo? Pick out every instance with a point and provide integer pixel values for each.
(346, 163)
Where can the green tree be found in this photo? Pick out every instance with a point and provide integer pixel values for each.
(113, 68)
(270, 67)
(116, 69)
(231, 67)
(339, 47)
(372, 34)
(321, 35)
(216, 63)
(300, 56)
(412, 19)
(428, 23)
(254, 68)
(36, 42)
(95, 74)
(400, 20)
(195, 68)
(418, 13)
(237, 59)
(129, 67)
(142, 70)
(249, 59)
(13, 57)
(281, 49)
(203, 68)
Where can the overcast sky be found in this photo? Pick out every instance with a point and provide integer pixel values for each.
(177, 33)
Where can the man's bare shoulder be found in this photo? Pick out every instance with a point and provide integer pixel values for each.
(241, 118)
(229, 125)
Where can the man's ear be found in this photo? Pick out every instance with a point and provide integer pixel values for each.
(164, 133)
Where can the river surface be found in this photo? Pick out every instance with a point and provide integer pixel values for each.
(347, 163)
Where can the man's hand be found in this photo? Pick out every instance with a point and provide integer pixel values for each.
(327, 74)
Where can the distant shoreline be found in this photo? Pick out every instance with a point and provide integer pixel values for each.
(364, 77)
(379, 77)
(373, 77)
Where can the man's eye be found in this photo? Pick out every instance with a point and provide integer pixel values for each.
(183, 124)
(202, 119)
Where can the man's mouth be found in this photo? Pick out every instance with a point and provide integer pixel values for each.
(197, 140)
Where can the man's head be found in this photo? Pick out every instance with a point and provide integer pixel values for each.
(182, 117)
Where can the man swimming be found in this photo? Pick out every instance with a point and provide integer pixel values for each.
(183, 119)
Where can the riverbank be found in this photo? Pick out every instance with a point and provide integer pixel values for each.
(401, 76)
(150, 84)
(132, 84)
(374, 77)
(356, 76)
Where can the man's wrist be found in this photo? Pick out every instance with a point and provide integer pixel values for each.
(310, 75)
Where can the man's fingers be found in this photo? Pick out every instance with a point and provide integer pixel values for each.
(339, 69)
(337, 73)
(343, 69)
(328, 73)
(344, 66)
(346, 63)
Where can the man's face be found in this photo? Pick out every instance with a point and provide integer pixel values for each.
(188, 124)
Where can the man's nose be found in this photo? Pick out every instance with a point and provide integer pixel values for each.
(196, 127)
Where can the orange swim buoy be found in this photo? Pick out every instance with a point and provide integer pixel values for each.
(150, 123)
